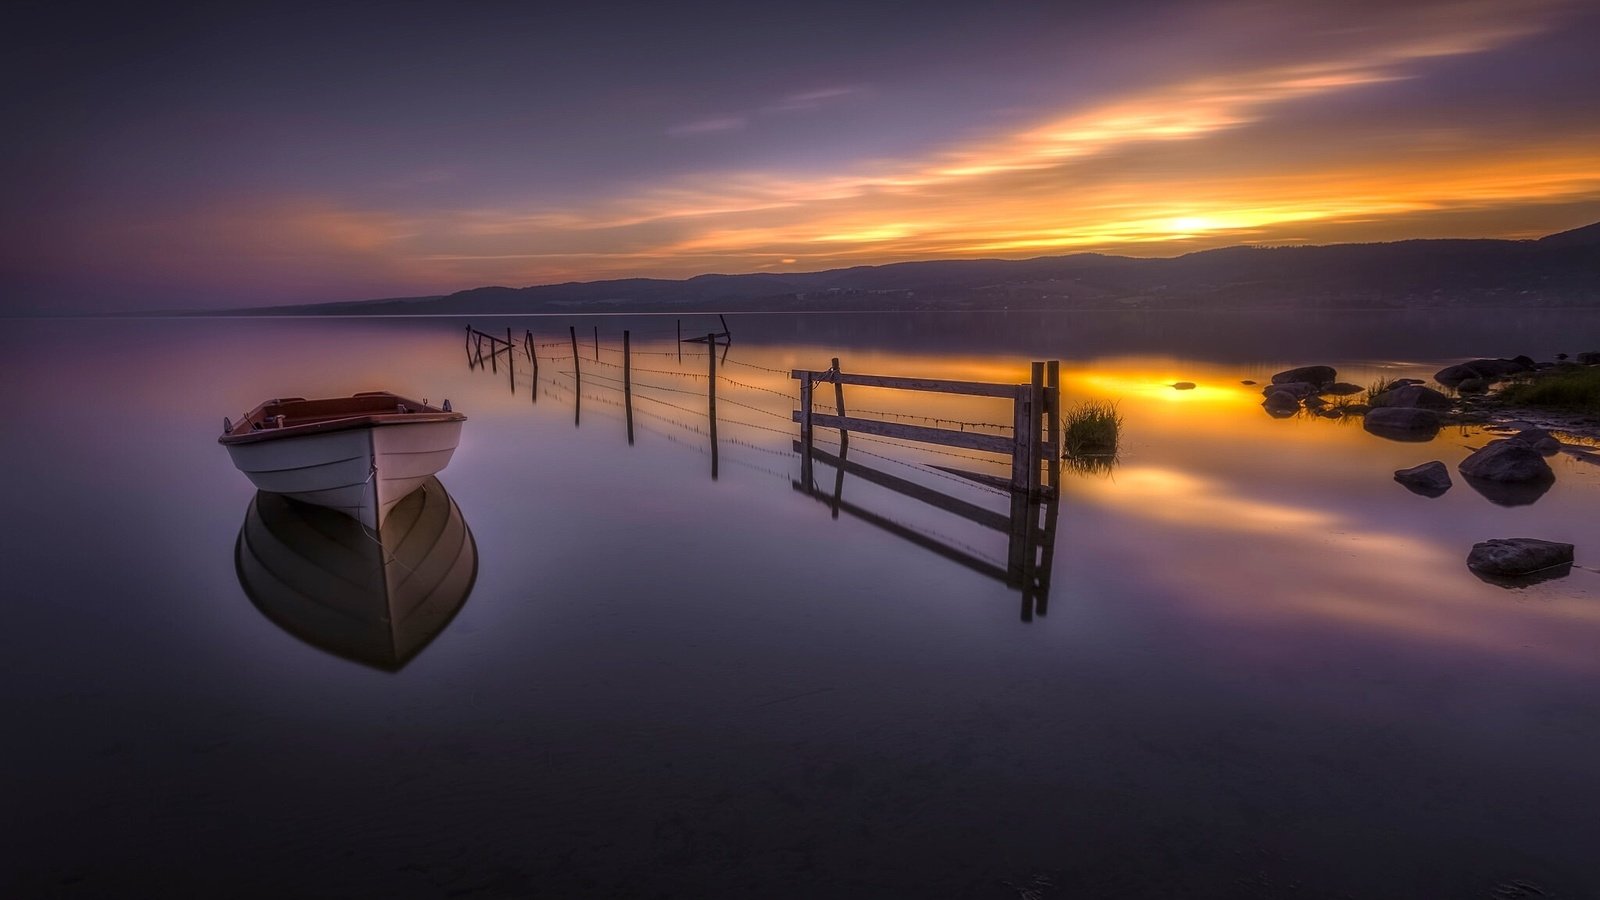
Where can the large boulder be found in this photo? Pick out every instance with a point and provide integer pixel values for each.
(1402, 423)
(1316, 375)
(1507, 462)
(1430, 479)
(1589, 358)
(1412, 395)
(1511, 558)
(1342, 389)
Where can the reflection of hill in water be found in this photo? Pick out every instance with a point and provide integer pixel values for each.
(322, 577)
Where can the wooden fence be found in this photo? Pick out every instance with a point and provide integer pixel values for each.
(1036, 417)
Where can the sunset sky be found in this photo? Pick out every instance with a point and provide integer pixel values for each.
(199, 157)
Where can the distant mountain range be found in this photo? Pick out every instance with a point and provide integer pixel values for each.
(1559, 270)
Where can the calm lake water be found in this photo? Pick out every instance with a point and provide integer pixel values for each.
(1262, 668)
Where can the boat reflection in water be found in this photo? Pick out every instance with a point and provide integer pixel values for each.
(372, 597)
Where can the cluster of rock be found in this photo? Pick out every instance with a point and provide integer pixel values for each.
(1307, 389)
(1409, 410)
(1476, 376)
(1510, 472)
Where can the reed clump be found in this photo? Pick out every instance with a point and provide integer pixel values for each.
(1092, 429)
(1376, 388)
(1571, 390)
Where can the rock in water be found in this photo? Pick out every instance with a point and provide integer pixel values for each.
(1413, 395)
(1430, 479)
(1299, 389)
(1183, 386)
(1281, 402)
(1313, 374)
(1508, 461)
(1519, 557)
(1343, 389)
(1488, 369)
(1403, 423)
(1541, 440)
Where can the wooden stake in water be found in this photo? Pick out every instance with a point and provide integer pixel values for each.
(806, 463)
(597, 342)
(627, 381)
(1052, 401)
(1035, 448)
(838, 403)
(577, 376)
(711, 403)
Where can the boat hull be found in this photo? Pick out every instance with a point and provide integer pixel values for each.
(361, 472)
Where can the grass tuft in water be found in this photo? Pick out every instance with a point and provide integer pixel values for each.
(1378, 387)
(1574, 390)
(1091, 429)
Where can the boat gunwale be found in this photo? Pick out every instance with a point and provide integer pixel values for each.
(242, 431)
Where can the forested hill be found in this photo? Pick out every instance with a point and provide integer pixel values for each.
(1559, 270)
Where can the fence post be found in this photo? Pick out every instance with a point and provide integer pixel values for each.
(577, 376)
(711, 404)
(805, 429)
(838, 402)
(1035, 449)
(844, 436)
(680, 341)
(1021, 436)
(627, 381)
(511, 361)
(1052, 375)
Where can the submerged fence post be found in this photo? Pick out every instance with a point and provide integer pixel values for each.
(577, 376)
(1035, 405)
(805, 430)
(627, 381)
(838, 402)
(597, 342)
(844, 436)
(711, 406)
(1052, 400)
(511, 361)
(680, 340)
(1021, 403)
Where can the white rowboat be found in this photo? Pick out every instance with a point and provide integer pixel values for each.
(359, 455)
